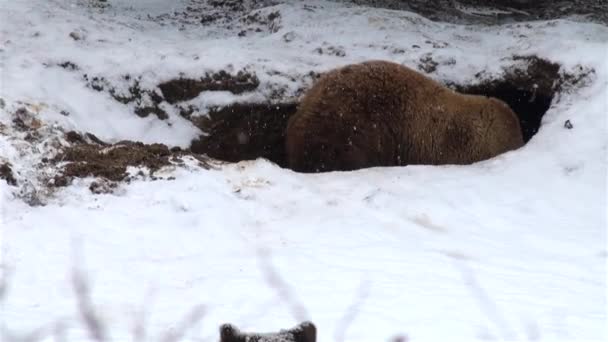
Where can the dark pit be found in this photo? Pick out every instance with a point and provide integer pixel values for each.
(528, 88)
(245, 132)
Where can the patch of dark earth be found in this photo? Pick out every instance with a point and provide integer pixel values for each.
(244, 17)
(240, 15)
(505, 11)
(148, 101)
(6, 173)
(176, 91)
(183, 89)
(88, 156)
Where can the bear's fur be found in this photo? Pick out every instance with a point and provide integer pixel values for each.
(304, 332)
(381, 113)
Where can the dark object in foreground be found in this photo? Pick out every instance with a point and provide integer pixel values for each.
(381, 113)
(304, 332)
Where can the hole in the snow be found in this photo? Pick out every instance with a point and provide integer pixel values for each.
(245, 131)
(528, 88)
(250, 131)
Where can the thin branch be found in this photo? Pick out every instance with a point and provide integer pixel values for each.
(89, 317)
(141, 318)
(283, 290)
(5, 275)
(486, 304)
(191, 319)
(352, 311)
(86, 309)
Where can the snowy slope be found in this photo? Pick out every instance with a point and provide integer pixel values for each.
(511, 248)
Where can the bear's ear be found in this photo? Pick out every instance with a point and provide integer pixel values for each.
(305, 332)
(230, 333)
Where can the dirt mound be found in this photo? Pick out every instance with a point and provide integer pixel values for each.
(89, 157)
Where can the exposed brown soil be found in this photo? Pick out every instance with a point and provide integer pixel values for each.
(183, 89)
(145, 111)
(85, 158)
(148, 101)
(257, 22)
(245, 132)
(509, 11)
(6, 173)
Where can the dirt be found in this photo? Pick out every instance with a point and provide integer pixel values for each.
(330, 50)
(509, 11)
(148, 101)
(427, 64)
(257, 22)
(147, 110)
(87, 158)
(230, 14)
(183, 89)
(6, 173)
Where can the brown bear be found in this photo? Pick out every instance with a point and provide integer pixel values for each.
(380, 113)
(304, 332)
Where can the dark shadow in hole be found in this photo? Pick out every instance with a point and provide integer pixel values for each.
(245, 131)
(528, 89)
(528, 105)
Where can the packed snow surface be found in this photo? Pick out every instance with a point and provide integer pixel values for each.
(510, 248)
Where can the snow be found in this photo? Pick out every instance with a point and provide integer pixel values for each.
(510, 248)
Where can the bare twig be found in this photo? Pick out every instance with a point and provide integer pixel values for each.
(59, 330)
(400, 338)
(191, 319)
(86, 309)
(352, 311)
(5, 274)
(89, 317)
(141, 318)
(284, 291)
(485, 302)
(532, 330)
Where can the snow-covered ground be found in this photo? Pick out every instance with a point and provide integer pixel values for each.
(510, 248)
